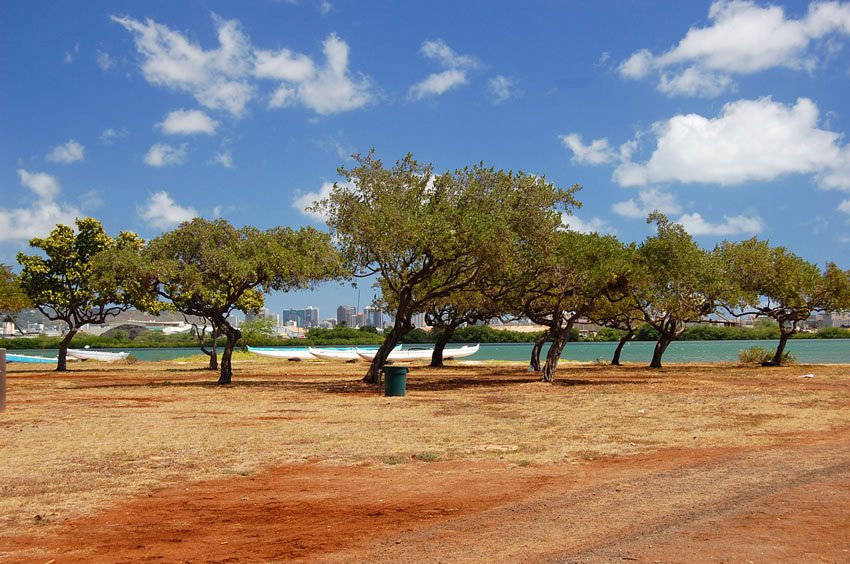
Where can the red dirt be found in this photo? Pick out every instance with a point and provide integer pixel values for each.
(784, 503)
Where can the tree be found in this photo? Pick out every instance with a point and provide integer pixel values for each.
(210, 268)
(426, 236)
(256, 329)
(462, 307)
(676, 281)
(13, 299)
(583, 270)
(63, 285)
(779, 285)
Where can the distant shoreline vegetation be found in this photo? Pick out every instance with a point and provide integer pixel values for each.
(347, 336)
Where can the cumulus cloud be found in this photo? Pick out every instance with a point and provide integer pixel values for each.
(217, 78)
(161, 154)
(598, 152)
(593, 225)
(68, 153)
(501, 87)
(225, 77)
(844, 206)
(109, 135)
(162, 212)
(734, 225)
(42, 184)
(36, 220)
(188, 122)
(224, 159)
(750, 140)
(743, 38)
(648, 201)
(454, 75)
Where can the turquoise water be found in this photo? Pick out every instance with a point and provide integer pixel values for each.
(824, 351)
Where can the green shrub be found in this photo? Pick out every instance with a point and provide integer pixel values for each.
(758, 355)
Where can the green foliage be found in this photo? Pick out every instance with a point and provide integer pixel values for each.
(758, 355)
(255, 331)
(486, 334)
(647, 332)
(606, 334)
(342, 336)
(825, 333)
(12, 297)
(417, 337)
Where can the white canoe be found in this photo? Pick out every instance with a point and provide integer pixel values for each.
(421, 354)
(334, 354)
(86, 354)
(283, 352)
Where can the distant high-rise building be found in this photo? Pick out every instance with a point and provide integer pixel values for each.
(346, 314)
(374, 317)
(419, 320)
(296, 315)
(311, 317)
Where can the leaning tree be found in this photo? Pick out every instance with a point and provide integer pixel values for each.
(62, 282)
(567, 285)
(674, 282)
(425, 236)
(211, 268)
(780, 285)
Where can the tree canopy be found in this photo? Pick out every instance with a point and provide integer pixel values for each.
(13, 299)
(62, 282)
(426, 235)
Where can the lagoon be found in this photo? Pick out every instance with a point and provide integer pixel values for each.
(806, 351)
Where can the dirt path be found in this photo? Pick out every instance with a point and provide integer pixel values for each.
(784, 503)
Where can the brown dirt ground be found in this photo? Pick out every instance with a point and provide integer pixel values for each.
(786, 501)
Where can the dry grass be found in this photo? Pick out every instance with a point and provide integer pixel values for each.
(76, 442)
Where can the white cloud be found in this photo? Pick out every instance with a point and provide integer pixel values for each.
(750, 140)
(42, 184)
(598, 152)
(501, 87)
(284, 65)
(161, 154)
(593, 225)
(162, 212)
(743, 38)
(333, 89)
(21, 224)
(67, 153)
(109, 135)
(844, 206)
(441, 52)
(325, 7)
(71, 55)
(735, 225)
(224, 78)
(216, 78)
(224, 158)
(439, 83)
(648, 201)
(188, 122)
(104, 61)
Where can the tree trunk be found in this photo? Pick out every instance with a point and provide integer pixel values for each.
(560, 339)
(62, 364)
(534, 362)
(233, 335)
(660, 347)
(402, 326)
(780, 348)
(615, 361)
(213, 352)
(440, 346)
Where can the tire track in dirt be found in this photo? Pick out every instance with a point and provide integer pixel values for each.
(629, 511)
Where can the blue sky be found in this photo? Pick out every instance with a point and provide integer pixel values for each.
(731, 117)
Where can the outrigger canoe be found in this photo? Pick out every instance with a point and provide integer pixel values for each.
(341, 354)
(105, 356)
(421, 354)
(13, 357)
(290, 353)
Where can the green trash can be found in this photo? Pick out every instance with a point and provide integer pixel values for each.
(395, 383)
